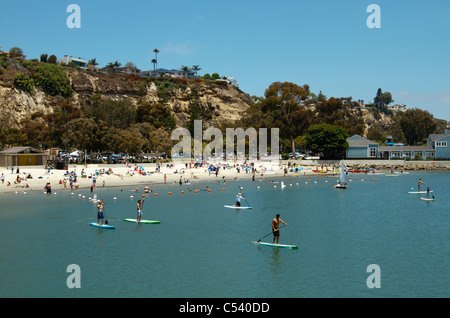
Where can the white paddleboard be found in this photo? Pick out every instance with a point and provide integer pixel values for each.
(278, 245)
(104, 226)
(418, 192)
(142, 221)
(237, 207)
(426, 199)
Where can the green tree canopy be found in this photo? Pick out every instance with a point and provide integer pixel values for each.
(416, 125)
(158, 115)
(330, 140)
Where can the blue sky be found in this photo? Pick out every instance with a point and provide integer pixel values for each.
(325, 44)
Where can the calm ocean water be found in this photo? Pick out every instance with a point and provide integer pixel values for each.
(202, 249)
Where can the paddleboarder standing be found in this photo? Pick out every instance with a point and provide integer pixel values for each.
(276, 228)
(419, 185)
(139, 210)
(100, 215)
(238, 199)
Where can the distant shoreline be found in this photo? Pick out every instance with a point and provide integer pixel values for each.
(123, 176)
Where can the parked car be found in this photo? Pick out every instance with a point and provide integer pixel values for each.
(297, 155)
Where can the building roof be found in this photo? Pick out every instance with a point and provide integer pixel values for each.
(434, 137)
(358, 141)
(16, 150)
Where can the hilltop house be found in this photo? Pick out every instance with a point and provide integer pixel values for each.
(77, 61)
(122, 70)
(398, 107)
(172, 73)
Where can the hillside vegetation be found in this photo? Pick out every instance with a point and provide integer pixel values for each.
(44, 104)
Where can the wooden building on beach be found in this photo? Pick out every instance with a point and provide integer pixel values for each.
(22, 156)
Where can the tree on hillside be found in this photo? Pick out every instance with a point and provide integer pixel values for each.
(158, 115)
(382, 99)
(283, 100)
(44, 58)
(52, 59)
(15, 52)
(154, 66)
(330, 140)
(185, 69)
(93, 62)
(416, 125)
(196, 68)
(156, 51)
(130, 64)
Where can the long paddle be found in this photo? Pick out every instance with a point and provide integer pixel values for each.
(242, 189)
(269, 234)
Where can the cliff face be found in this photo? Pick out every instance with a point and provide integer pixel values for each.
(224, 103)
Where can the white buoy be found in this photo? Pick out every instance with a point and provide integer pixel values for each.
(25, 193)
(114, 198)
(131, 196)
(84, 196)
(257, 187)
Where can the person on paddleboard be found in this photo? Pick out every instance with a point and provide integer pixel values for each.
(419, 185)
(100, 215)
(276, 228)
(139, 210)
(238, 199)
(428, 192)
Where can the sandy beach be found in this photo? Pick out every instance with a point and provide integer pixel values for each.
(119, 175)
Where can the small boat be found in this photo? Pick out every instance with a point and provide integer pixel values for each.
(342, 184)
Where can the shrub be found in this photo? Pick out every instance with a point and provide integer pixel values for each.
(52, 79)
(21, 81)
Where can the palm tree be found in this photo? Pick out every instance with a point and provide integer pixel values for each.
(110, 66)
(154, 67)
(185, 69)
(156, 51)
(93, 62)
(196, 68)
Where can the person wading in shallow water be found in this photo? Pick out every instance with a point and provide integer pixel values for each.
(276, 228)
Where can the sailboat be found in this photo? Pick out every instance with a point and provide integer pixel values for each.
(341, 184)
